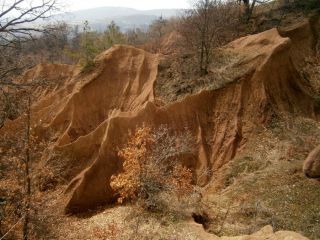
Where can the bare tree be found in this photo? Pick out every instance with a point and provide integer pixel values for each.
(17, 18)
(250, 5)
(157, 28)
(27, 179)
(206, 26)
(18, 24)
(136, 36)
(52, 43)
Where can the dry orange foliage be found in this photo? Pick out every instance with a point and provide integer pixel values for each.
(134, 155)
(181, 180)
(151, 165)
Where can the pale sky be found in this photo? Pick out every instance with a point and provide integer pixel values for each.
(137, 4)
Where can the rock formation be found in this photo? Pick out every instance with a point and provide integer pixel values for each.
(265, 233)
(311, 166)
(91, 116)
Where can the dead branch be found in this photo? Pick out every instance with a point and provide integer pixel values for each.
(18, 20)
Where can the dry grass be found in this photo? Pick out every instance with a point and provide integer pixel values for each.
(179, 76)
(265, 184)
(311, 72)
(121, 223)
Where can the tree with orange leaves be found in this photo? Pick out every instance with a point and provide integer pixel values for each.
(151, 166)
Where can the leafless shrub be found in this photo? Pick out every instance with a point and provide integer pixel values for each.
(208, 25)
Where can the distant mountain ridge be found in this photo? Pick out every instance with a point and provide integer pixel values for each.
(126, 18)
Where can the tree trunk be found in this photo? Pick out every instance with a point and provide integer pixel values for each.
(27, 174)
(248, 8)
(202, 59)
(251, 8)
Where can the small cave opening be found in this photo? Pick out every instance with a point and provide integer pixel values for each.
(202, 218)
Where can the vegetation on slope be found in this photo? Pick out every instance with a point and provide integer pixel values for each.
(263, 185)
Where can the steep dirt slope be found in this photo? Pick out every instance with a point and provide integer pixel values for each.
(304, 36)
(222, 119)
(118, 97)
(118, 83)
(91, 116)
(51, 84)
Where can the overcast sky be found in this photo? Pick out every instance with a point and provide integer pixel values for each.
(137, 4)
